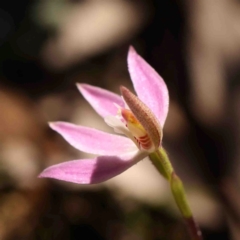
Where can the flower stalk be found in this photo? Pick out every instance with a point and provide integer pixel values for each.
(161, 161)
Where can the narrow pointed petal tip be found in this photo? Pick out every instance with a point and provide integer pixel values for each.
(93, 141)
(148, 84)
(131, 50)
(91, 171)
(100, 99)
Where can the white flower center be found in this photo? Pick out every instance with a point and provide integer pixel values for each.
(126, 123)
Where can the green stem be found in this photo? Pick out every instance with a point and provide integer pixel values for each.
(162, 163)
(182, 203)
(193, 229)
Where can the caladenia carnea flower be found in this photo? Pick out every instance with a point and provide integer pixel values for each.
(138, 122)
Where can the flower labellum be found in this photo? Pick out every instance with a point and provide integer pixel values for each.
(138, 119)
(144, 116)
(143, 140)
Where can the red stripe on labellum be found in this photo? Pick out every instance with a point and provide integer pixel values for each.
(144, 115)
(144, 142)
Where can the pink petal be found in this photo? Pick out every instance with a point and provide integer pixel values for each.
(88, 171)
(93, 141)
(150, 87)
(101, 100)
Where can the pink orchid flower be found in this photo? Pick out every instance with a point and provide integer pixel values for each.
(140, 119)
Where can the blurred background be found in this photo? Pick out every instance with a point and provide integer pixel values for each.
(46, 46)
